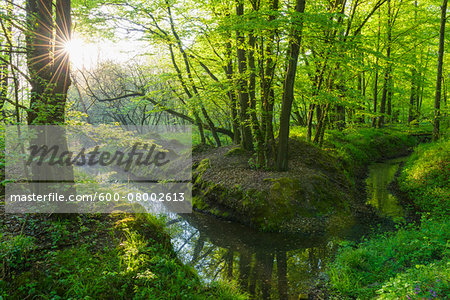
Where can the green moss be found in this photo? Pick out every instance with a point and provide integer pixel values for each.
(199, 203)
(200, 170)
(235, 151)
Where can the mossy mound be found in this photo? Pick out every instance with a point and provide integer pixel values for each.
(301, 199)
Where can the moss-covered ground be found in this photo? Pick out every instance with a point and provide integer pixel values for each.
(320, 182)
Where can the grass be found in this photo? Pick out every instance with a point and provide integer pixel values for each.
(99, 257)
(425, 178)
(360, 272)
(412, 263)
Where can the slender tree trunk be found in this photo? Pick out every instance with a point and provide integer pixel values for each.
(6, 54)
(309, 121)
(389, 96)
(266, 262)
(375, 97)
(414, 97)
(422, 86)
(387, 74)
(267, 92)
(229, 259)
(252, 93)
(232, 95)
(288, 93)
(445, 90)
(244, 270)
(437, 99)
(412, 106)
(340, 117)
(247, 138)
(375, 84)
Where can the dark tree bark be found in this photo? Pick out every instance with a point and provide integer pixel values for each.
(375, 84)
(5, 53)
(288, 91)
(229, 258)
(412, 113)
(414, 97)
(267, 92)
(282, 275)
(252, 93)
(232, 95)
(387, 74)
(247, 138)
(389, 96)
(437, 99)
(244, 270)
(49, 65)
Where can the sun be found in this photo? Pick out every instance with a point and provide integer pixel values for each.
(82, 55)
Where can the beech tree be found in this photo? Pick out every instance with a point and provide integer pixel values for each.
(288, 91)
(437, 99)
(49, 29)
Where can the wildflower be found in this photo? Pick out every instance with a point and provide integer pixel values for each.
(417, 289)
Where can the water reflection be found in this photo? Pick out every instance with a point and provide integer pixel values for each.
(266, 265)
(272, 265)
(378, 194)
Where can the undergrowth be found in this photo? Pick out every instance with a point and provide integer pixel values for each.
(412, 263)
(99, 257)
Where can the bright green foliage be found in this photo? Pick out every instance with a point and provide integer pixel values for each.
(426, 177)
(412, 262)
(131, 259)
(14, 252)
(362, 271)
(424, 281)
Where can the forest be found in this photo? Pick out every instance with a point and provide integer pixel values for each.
(246, 149)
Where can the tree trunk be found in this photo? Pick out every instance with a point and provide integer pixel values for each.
(282, 275)
(232, 95)
(244, 270)
(437, 99)
(412, 115)
(375, 85)
(267, 93)
(6, 53)
(252, 92)
(39, 41)
(387, 74)
(390, 95)
(247, 138)
(288, 93)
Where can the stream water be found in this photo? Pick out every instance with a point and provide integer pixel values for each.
(272, 265)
